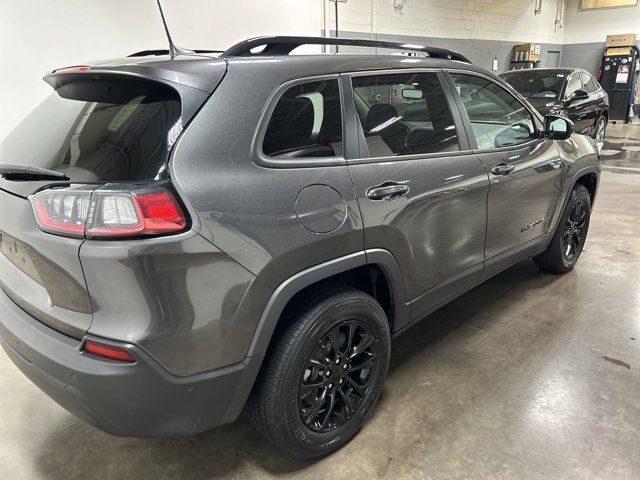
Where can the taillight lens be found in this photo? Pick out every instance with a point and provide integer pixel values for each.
(107, 351)
(62, 211)
(107, 213)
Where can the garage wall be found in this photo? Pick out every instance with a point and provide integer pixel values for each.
(585, 33)
(595, 25)
(482, 30)
(67, 32)
(501, 20)
(480, 52)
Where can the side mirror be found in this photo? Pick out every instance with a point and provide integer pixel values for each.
(411, 94)
(557, 128)
(577, 95)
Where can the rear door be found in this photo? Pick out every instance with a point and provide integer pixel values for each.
(525, 170)
(421, 191)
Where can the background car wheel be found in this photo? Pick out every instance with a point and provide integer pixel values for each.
(568, 240)
(601, 128)
(325, 374)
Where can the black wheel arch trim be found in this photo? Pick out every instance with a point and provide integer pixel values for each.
(570, 183)
(290, 287)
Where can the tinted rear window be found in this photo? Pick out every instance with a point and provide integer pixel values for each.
(101, 131)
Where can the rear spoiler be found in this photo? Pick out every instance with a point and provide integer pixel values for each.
(192, 84)
(203, 73)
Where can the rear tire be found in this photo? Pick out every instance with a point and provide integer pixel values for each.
(568, 240)
(313, 393)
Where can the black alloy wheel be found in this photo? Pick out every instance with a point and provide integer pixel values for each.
(572, 238)
(337, 376)
(322, 379)
(567, 243)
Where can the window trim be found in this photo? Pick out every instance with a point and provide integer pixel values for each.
(258, 156)
(536, 117)
(364, 156)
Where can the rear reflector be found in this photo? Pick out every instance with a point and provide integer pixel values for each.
(107, 213)
(108, 352)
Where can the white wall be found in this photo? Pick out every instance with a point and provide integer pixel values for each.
(595, 25)
(507, 20)
(39, 35)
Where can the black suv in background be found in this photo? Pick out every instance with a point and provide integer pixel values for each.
(183, 236)
(570, 92)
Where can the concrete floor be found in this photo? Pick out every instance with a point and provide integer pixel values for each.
(530, 376)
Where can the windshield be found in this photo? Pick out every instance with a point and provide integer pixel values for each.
(536, 84)
(101, 131)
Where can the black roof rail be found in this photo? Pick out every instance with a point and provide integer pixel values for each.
(285, 45)
(148, 53)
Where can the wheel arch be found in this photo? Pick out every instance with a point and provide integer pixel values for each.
(347, 270)
(589, 179)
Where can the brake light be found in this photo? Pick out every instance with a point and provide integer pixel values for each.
(108, 352)
(106, 213)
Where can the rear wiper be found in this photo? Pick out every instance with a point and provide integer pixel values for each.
(24, 172)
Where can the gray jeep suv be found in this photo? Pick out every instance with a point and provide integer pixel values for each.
(185, 236)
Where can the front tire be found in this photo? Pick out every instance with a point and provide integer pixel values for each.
(325, 374)
(568, 240)
(600, 128)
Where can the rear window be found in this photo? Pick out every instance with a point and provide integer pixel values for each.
(99, 131)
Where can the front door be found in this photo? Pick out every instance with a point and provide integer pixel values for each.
(421, 191)
(525, 170)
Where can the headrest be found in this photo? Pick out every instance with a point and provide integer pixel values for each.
(290, 126)
(378, 114)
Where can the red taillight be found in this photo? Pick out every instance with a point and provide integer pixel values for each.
(62, 211)
(107, 213)
(108, 352)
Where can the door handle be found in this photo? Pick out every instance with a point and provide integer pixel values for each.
(388, 191)
(503, 169)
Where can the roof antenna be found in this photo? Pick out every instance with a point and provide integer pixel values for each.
(174, 50)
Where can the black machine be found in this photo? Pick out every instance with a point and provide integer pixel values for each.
(619, 76)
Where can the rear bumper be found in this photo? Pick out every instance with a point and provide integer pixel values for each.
(139, 399)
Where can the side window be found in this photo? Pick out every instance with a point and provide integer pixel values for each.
(498, 119)
(589, 83)
(404, 114)
(574, 83)
(306, 122)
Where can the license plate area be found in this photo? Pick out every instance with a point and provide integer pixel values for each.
(18, 254)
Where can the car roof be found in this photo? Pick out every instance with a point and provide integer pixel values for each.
(348, 62)
(202, 70)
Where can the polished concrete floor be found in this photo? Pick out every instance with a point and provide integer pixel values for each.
(621, 150)
(530, 376)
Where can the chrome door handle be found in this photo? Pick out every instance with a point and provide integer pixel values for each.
(388, 191)
(503, 169)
